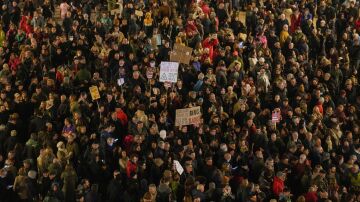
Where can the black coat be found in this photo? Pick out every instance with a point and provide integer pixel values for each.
(114, 191)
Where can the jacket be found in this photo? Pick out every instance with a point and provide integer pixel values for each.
(311, 197)
(278, 186)
(130, 169)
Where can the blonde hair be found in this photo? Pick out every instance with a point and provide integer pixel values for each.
(300, 199)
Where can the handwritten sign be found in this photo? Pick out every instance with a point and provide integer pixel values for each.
(275, 117)
(188, 116)
(182, 118)
(169, 72)
(181, 54)
(94, 92)
(178, 167)
(139, 13)
(195, 115)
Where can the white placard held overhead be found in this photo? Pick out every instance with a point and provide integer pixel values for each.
(169, 71)
(120, 81)
(178, 167)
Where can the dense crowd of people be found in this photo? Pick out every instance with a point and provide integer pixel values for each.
(277, 83)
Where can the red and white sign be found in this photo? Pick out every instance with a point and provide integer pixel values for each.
(275, 117)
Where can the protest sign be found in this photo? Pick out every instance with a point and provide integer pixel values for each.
(182, 117)
(275, 117)
(120, 81)
(188, 116)
(178, 167)
(139, 13)
(195, 115)
(94, 92)
(181, 54)
(169, 72)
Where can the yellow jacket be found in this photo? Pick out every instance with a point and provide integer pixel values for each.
(284, 35)
(2, 37)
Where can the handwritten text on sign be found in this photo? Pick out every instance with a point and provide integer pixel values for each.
(169, 72)
(94, 92)
(188, 116)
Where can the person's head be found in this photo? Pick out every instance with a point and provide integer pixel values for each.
(134, 158)
(281, 175)
(227, 190)
(188, 167)
(55, 187)
(302, 158)
(136, 75)
(152, 189)
(269, 163)
(67, 121)
(282, 16)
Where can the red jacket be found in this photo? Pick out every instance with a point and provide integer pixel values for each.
(14, 63)
(130, 168)
(122, 117)
(321, 109)
(357, 24)
(295, 22)
(24, 24)
(278, 186)
(191, 28)
(205, 8)
(210, 44)
(311, 197)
